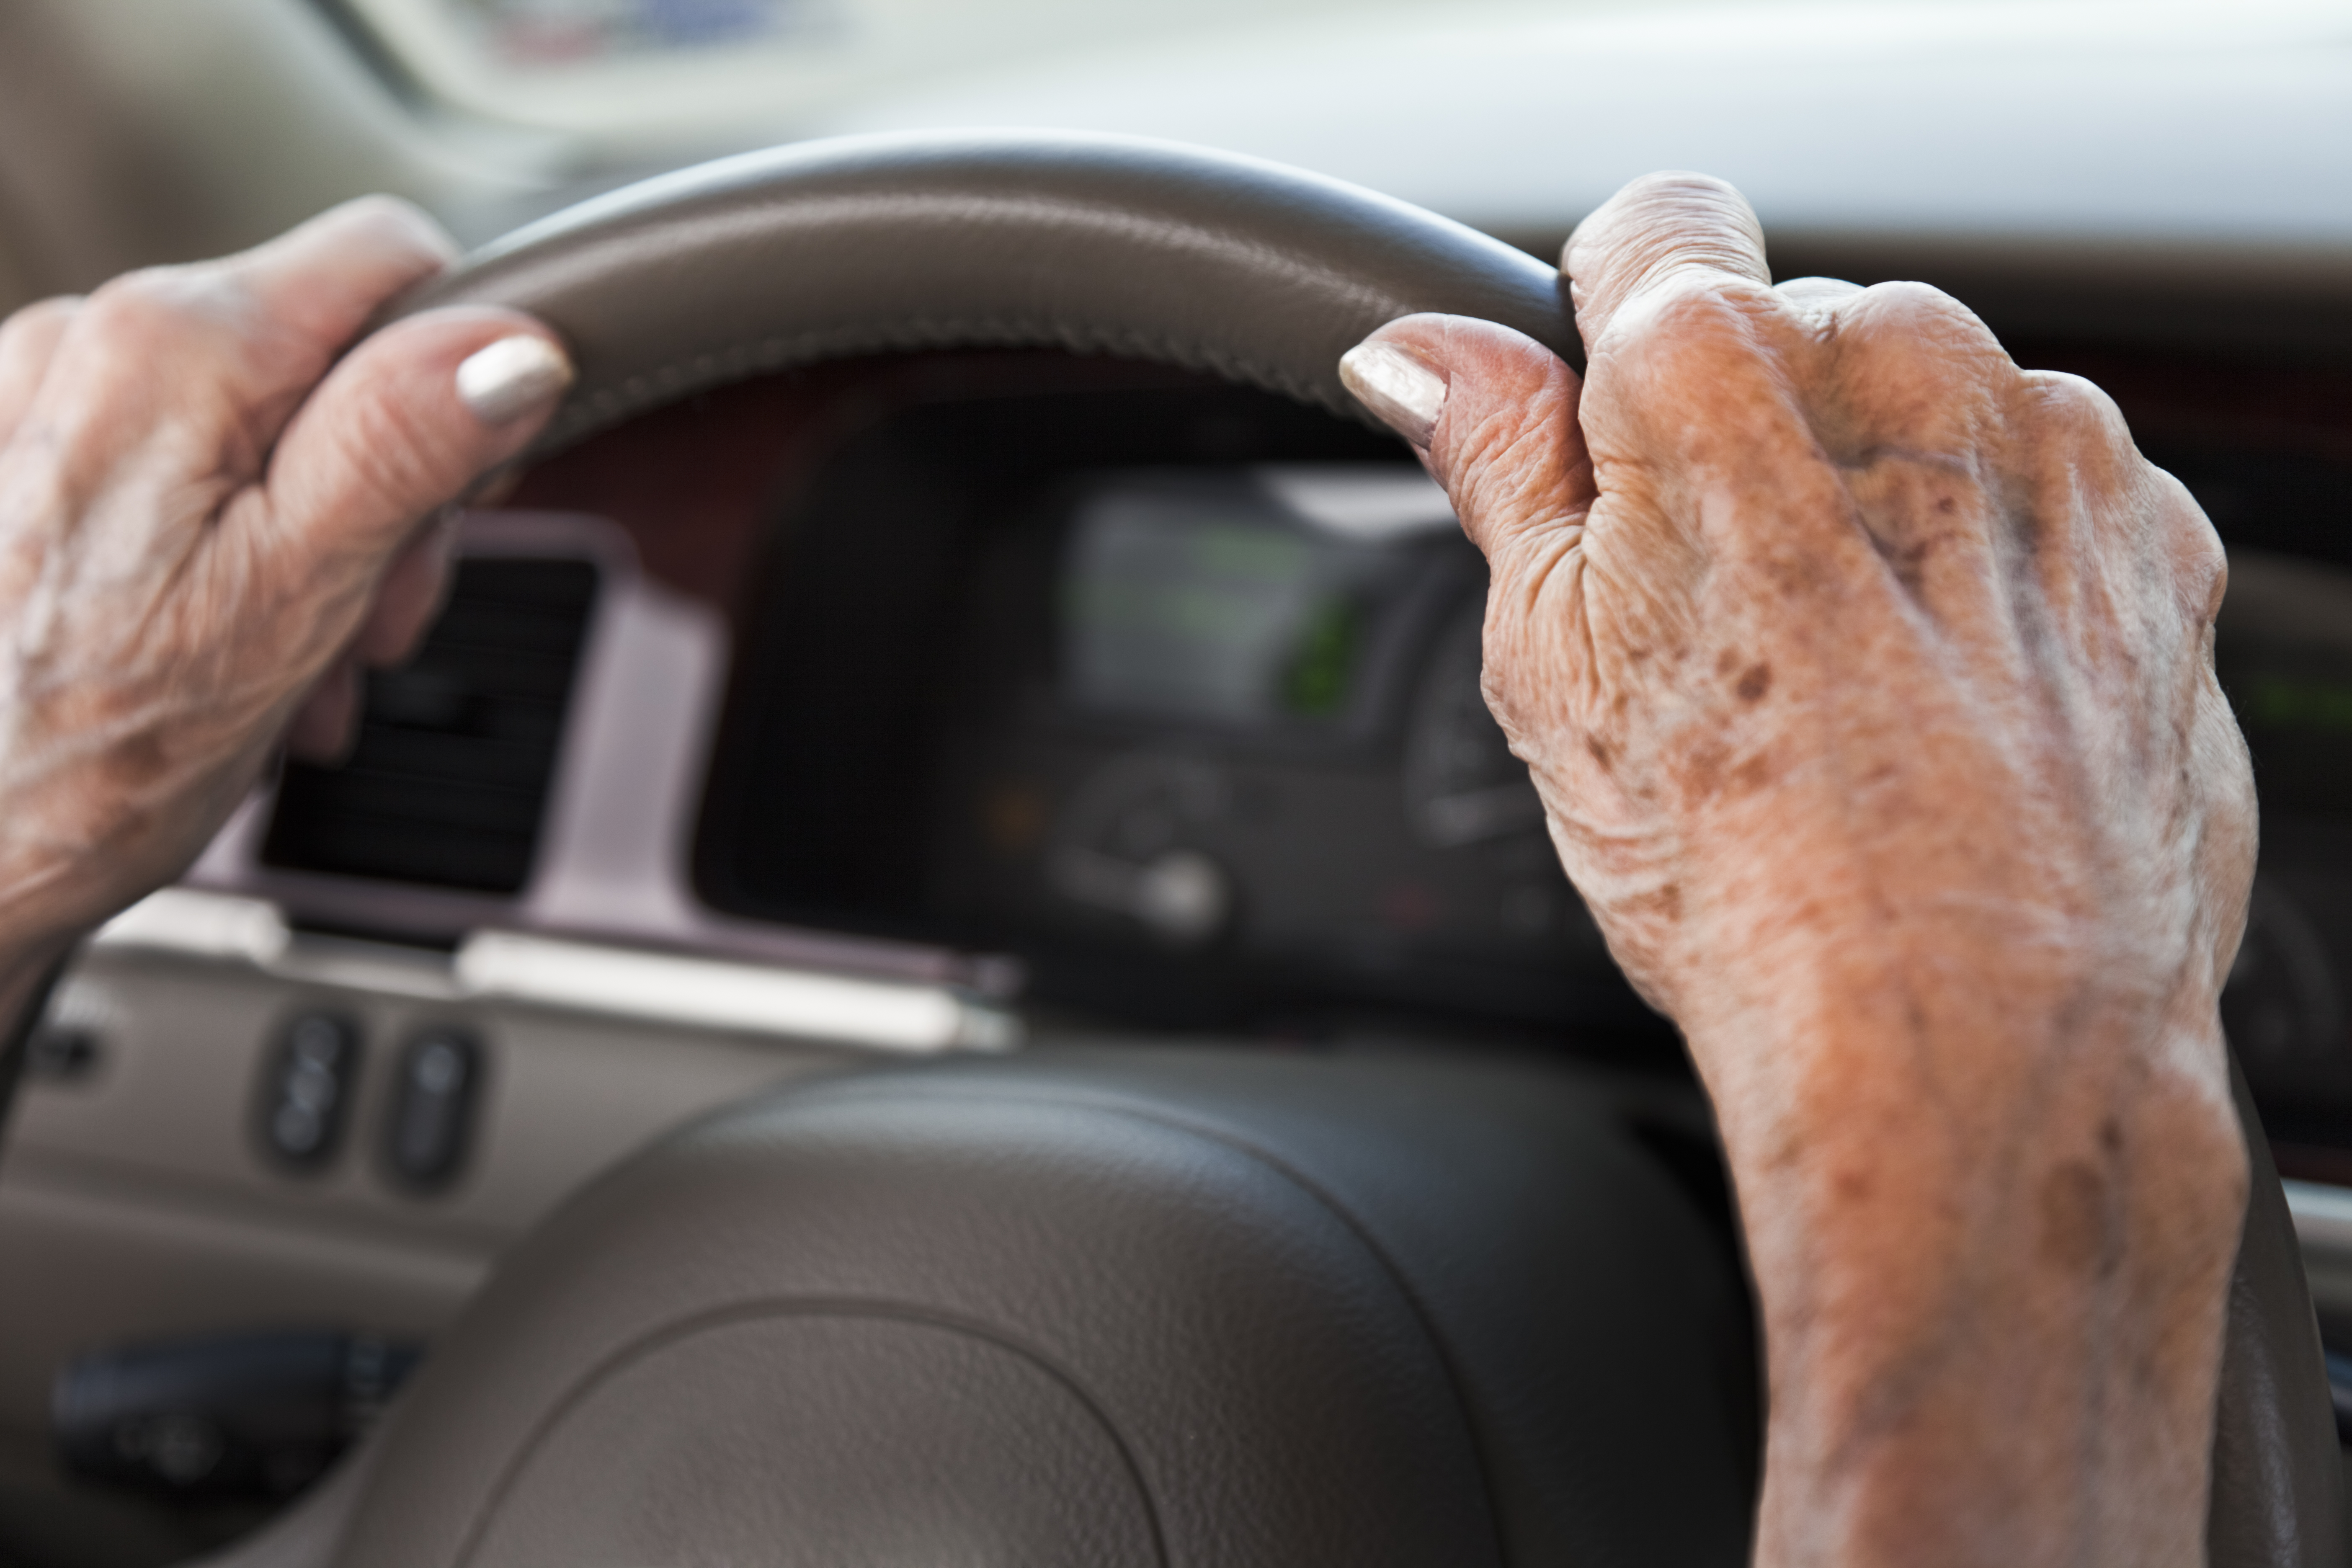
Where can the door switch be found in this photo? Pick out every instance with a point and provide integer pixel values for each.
(432, 1108)
(307, 1089)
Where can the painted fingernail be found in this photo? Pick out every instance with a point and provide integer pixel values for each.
(511, 377)
(1402, 392)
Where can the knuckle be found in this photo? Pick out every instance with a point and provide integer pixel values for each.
(1920, 303)
(190, 344)
(1665, 215)
(2201, 564)
(377, 228)
(2071, 401)
(1916, 317)
(42, 316)
(2205, 576)
(162, 311)
(1691, 308)
(396, 224)
(134, 294)
(2079, 424)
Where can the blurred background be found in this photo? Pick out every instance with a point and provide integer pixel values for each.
(2156, 194)
(2124, 153)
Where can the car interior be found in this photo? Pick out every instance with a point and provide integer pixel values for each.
(937, 958)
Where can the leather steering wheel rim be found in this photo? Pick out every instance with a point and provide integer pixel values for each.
(1248, 269)
(1257, 272)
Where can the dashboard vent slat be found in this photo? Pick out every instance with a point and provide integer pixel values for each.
(448, 781)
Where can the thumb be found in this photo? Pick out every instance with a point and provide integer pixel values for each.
(1491, 411)
(405, 423)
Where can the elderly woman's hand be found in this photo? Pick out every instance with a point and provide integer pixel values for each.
(1868, 681)
(206, 522)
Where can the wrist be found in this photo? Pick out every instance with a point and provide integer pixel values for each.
(49, 900)
(65, 870)
(1991, 1229)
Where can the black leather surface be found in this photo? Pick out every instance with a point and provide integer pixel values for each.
(2278, 1473)
(1261, 273)
(1099, 1309)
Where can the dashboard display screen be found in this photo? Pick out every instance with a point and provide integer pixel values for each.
(1192, 735)
(1215, 597)
(1252, 736)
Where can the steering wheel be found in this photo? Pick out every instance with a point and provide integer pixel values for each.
(1127, 1306)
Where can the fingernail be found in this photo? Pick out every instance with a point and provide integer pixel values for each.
(1403, 393)
(511, 377)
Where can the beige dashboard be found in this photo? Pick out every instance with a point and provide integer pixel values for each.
(138, 1199)
(140, 1196)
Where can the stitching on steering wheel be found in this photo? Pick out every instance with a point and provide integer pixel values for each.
(682, 378)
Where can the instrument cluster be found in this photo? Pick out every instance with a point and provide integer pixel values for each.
(1189, 721)
(1171, 692)
(1250, 725)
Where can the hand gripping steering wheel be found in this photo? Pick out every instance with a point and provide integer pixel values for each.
(1101, 1307)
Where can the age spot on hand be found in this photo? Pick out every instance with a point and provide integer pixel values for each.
(2078, 1227)
(1755, 683)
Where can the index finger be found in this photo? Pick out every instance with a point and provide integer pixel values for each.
(325, 278)
(1661, 228)
(310, 292)
(223, 351)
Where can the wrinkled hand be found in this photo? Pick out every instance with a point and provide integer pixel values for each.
(206, 523)
(1868, 682)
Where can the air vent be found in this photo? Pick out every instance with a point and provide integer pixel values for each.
(449, 779)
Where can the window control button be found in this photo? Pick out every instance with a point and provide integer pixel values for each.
(432, 1108)
(307, 1089)
(60, 1052)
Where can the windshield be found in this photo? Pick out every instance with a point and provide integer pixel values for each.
(702, 67)
(711, 74)
(541, 35)
(741, 71)
(1511, 115)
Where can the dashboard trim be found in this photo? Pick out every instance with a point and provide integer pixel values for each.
(598, 978)
(612, 861)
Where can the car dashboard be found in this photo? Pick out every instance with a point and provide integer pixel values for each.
(958, 701)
